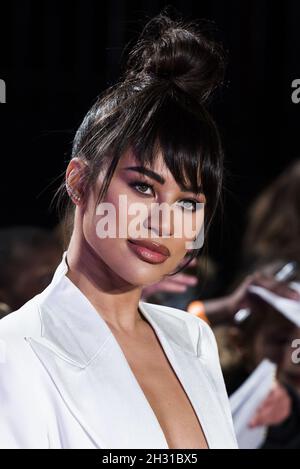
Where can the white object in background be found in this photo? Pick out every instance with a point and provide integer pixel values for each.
(282, 275)
(289, 308)
(295, 286)
(245, 401)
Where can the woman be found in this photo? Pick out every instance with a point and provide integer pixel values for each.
(98, 367)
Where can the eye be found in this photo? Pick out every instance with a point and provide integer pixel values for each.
(191, 204)
(143, 185)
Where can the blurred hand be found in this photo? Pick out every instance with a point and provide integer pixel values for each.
(280, 288)
(240, 298)
(177, 283)
(275, 409)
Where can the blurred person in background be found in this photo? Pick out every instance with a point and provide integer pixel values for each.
(271, 240)
(265, 333)
(273, 228)
(29, 256)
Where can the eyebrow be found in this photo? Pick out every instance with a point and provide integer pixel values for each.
(157, 177)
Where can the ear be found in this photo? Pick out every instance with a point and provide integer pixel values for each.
(75, 177)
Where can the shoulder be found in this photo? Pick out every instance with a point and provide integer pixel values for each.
(200, 333)
(20, 381)
(21, 323)
(178, 313)
(195, 335)
(14, 329)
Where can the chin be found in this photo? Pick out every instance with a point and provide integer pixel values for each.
(141, 276)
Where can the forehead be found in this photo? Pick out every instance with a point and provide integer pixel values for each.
(129, 159)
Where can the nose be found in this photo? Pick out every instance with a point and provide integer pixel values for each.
(160, 220)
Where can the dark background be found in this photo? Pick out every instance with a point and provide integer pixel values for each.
(57, 56)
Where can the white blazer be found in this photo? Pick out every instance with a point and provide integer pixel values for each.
(65, 381)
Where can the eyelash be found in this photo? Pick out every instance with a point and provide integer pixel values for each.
(141, 183)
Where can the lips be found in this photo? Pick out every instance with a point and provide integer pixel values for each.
(156, 247)
(149, 251)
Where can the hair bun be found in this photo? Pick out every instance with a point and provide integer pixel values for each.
(180, 53)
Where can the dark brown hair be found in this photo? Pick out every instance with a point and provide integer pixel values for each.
(160, 103)
(274, 221)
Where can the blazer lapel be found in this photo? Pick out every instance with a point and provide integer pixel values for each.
(94, 379)
(182, 343)
(104, 397)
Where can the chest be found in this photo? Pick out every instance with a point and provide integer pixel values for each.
(164, 392)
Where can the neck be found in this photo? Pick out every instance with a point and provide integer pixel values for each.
(114, 299)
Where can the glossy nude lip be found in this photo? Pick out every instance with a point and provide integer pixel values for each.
(149, 251)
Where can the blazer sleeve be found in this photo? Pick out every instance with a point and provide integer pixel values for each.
(22, 425)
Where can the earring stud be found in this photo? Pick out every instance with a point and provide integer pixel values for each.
(72, 194)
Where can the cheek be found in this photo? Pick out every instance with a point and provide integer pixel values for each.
(119, 198)
(102, 230)
(96, 217)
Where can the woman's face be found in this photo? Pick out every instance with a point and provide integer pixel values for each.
(132, 217)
